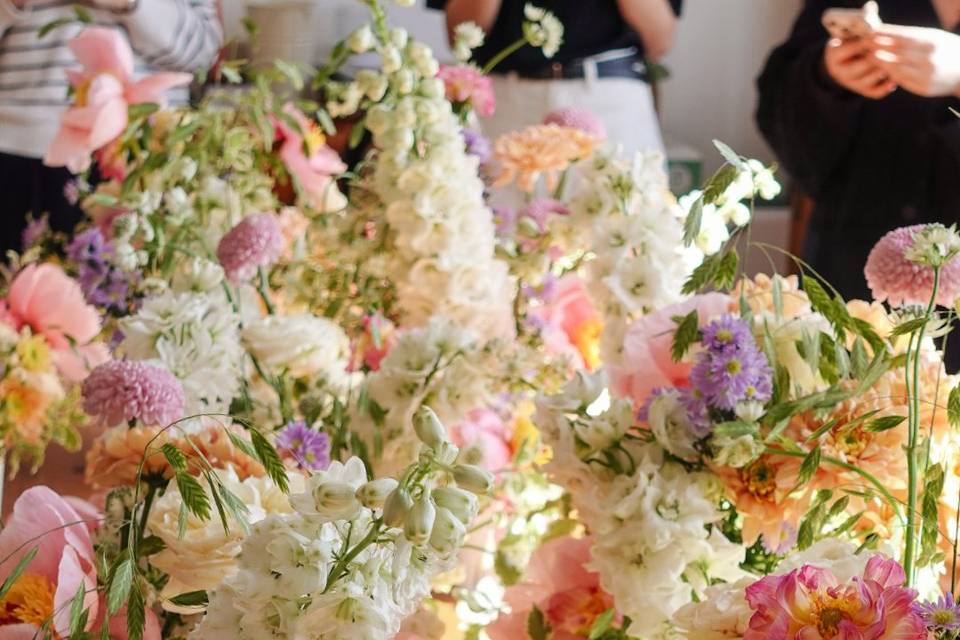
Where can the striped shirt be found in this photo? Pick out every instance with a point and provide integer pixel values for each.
(173, 35)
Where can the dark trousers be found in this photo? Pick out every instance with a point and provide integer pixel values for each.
(29, 187)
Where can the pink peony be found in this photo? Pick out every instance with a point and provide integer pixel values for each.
(309, 160)
(64, 562)
(570, 309)
(558, 583)
(51, 303)
(647, 348)
(894, 278)
(122, 390)
(576, 118)
(810, 603)
(104, 90)
(467, 84)
(255, 242)
(486, 430)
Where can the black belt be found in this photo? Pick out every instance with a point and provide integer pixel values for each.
(626, 67)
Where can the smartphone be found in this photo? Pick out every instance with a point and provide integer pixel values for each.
(847, 24)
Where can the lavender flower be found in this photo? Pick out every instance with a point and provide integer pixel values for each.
(311, 449)
(477, 145)
(731, 369)
(942, 615)
(102, 283)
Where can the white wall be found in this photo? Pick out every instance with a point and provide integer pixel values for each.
(720, 49)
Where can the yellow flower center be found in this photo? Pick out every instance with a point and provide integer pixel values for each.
(34, 353)
(30, 600)
(586, 339)
(759, 478)
(313, 138)
(830, 610)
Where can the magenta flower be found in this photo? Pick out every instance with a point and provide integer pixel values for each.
(311, 449)
(810, 603)
(255, 242)
(576, 118)
(898, 280)
(123, 390)
(468, 85)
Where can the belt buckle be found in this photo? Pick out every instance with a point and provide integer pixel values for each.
(556, 70)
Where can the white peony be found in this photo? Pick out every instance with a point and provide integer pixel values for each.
(303, 345)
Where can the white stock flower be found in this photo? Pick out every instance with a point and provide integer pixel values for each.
(671, 425)
(302, 344)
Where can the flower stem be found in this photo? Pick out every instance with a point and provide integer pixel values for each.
(262, 288)
(340, 568)
(503, 55)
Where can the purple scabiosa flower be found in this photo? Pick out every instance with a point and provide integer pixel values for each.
(577, 118)
(311, 449)
(731, 369)
(102, 283)
(477, 145)
(122, 390)
(942, 615)
(694, 402)
(255, 242)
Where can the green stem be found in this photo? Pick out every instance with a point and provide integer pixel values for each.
(913, 395)
(262, 288)
(340, 568)
(500, 57)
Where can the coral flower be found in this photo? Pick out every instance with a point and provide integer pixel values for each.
(570, 308)
(309, 160)
(468, 85)
(647, 348)
(577, 118)
(810, 603)
(64, 562)
(52, 304)
(543, 149)
(558, 582)
(104, 89)
(896, 279)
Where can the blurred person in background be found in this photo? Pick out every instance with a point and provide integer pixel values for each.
(175, 35)
(864, 127)
(599, 66)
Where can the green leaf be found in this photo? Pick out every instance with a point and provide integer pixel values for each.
(687, 333)
(734, 429)
(51, 26)
(859, 360)
(838, 507)
(270, 460)
(929, 529)
(193, 495)
(326, 122)
(136, 614)
(953, 407)
(291, 72)
(703, 275)
(242, 444)
(884, 424)
(727, 270)
(693, 222)
(142, 110)
(730, 155)
(77, 619)
(811, 348)
(777, 296)
(176, 458)
(18, 571)
(822, 429)
(537, 627)
(602, 624)
(190, 599)
(119, 581)
(809, 467)
(879, 366)
(719, 182)
(149, 546)
(908, 327)
(183, 132)
(217, 501)
(356, 135)
(232, 75)
(82, 14)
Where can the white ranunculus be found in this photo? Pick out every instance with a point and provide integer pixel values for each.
(723, 614)
(303, 344)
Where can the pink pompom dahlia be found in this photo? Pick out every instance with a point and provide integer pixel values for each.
(895, 278)
(257, 241)
(122, 390)
(577, 118)
(810, 603)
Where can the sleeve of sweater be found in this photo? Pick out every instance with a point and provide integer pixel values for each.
(808, 120)
(176, 35)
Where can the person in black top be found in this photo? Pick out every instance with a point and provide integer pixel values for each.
(865, 128)
(599, 66)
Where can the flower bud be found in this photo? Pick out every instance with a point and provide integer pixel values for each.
(448, 532)
(446, 453)
(429, 428)
(399, 37)
(473, 478)
(373, 494)
(336, 500)
(472, 455)
(420, 519)
(361, 40)
(396, 507)
(460, 503)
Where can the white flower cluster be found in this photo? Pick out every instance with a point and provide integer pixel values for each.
(439, 365)
(197, 337)
(654, 549)
(624, 214)
(467, 36)
(542, 30)
(356, 557)
(301, 344)
(432, 196)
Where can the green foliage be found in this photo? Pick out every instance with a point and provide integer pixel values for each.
(809, 466)
(885, 423)
(929, 509)
(537, 627)
(718, 270)
(687, 333)
(194, 497)
(119, 581)
(602, 624)
(270, 460)
(136, 614)
(953, 407)
(190, 599)
(18, 570)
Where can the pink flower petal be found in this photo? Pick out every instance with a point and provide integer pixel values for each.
(19, 632)
(103, 50)
(70, 576)
(152, 88)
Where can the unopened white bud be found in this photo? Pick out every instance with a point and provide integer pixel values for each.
(429, 428)
(373, 494)
(473, 478)
(462, 504)
(336, 500)
(396, 507)
(419, 522)
(361, 40)
(448, 532)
